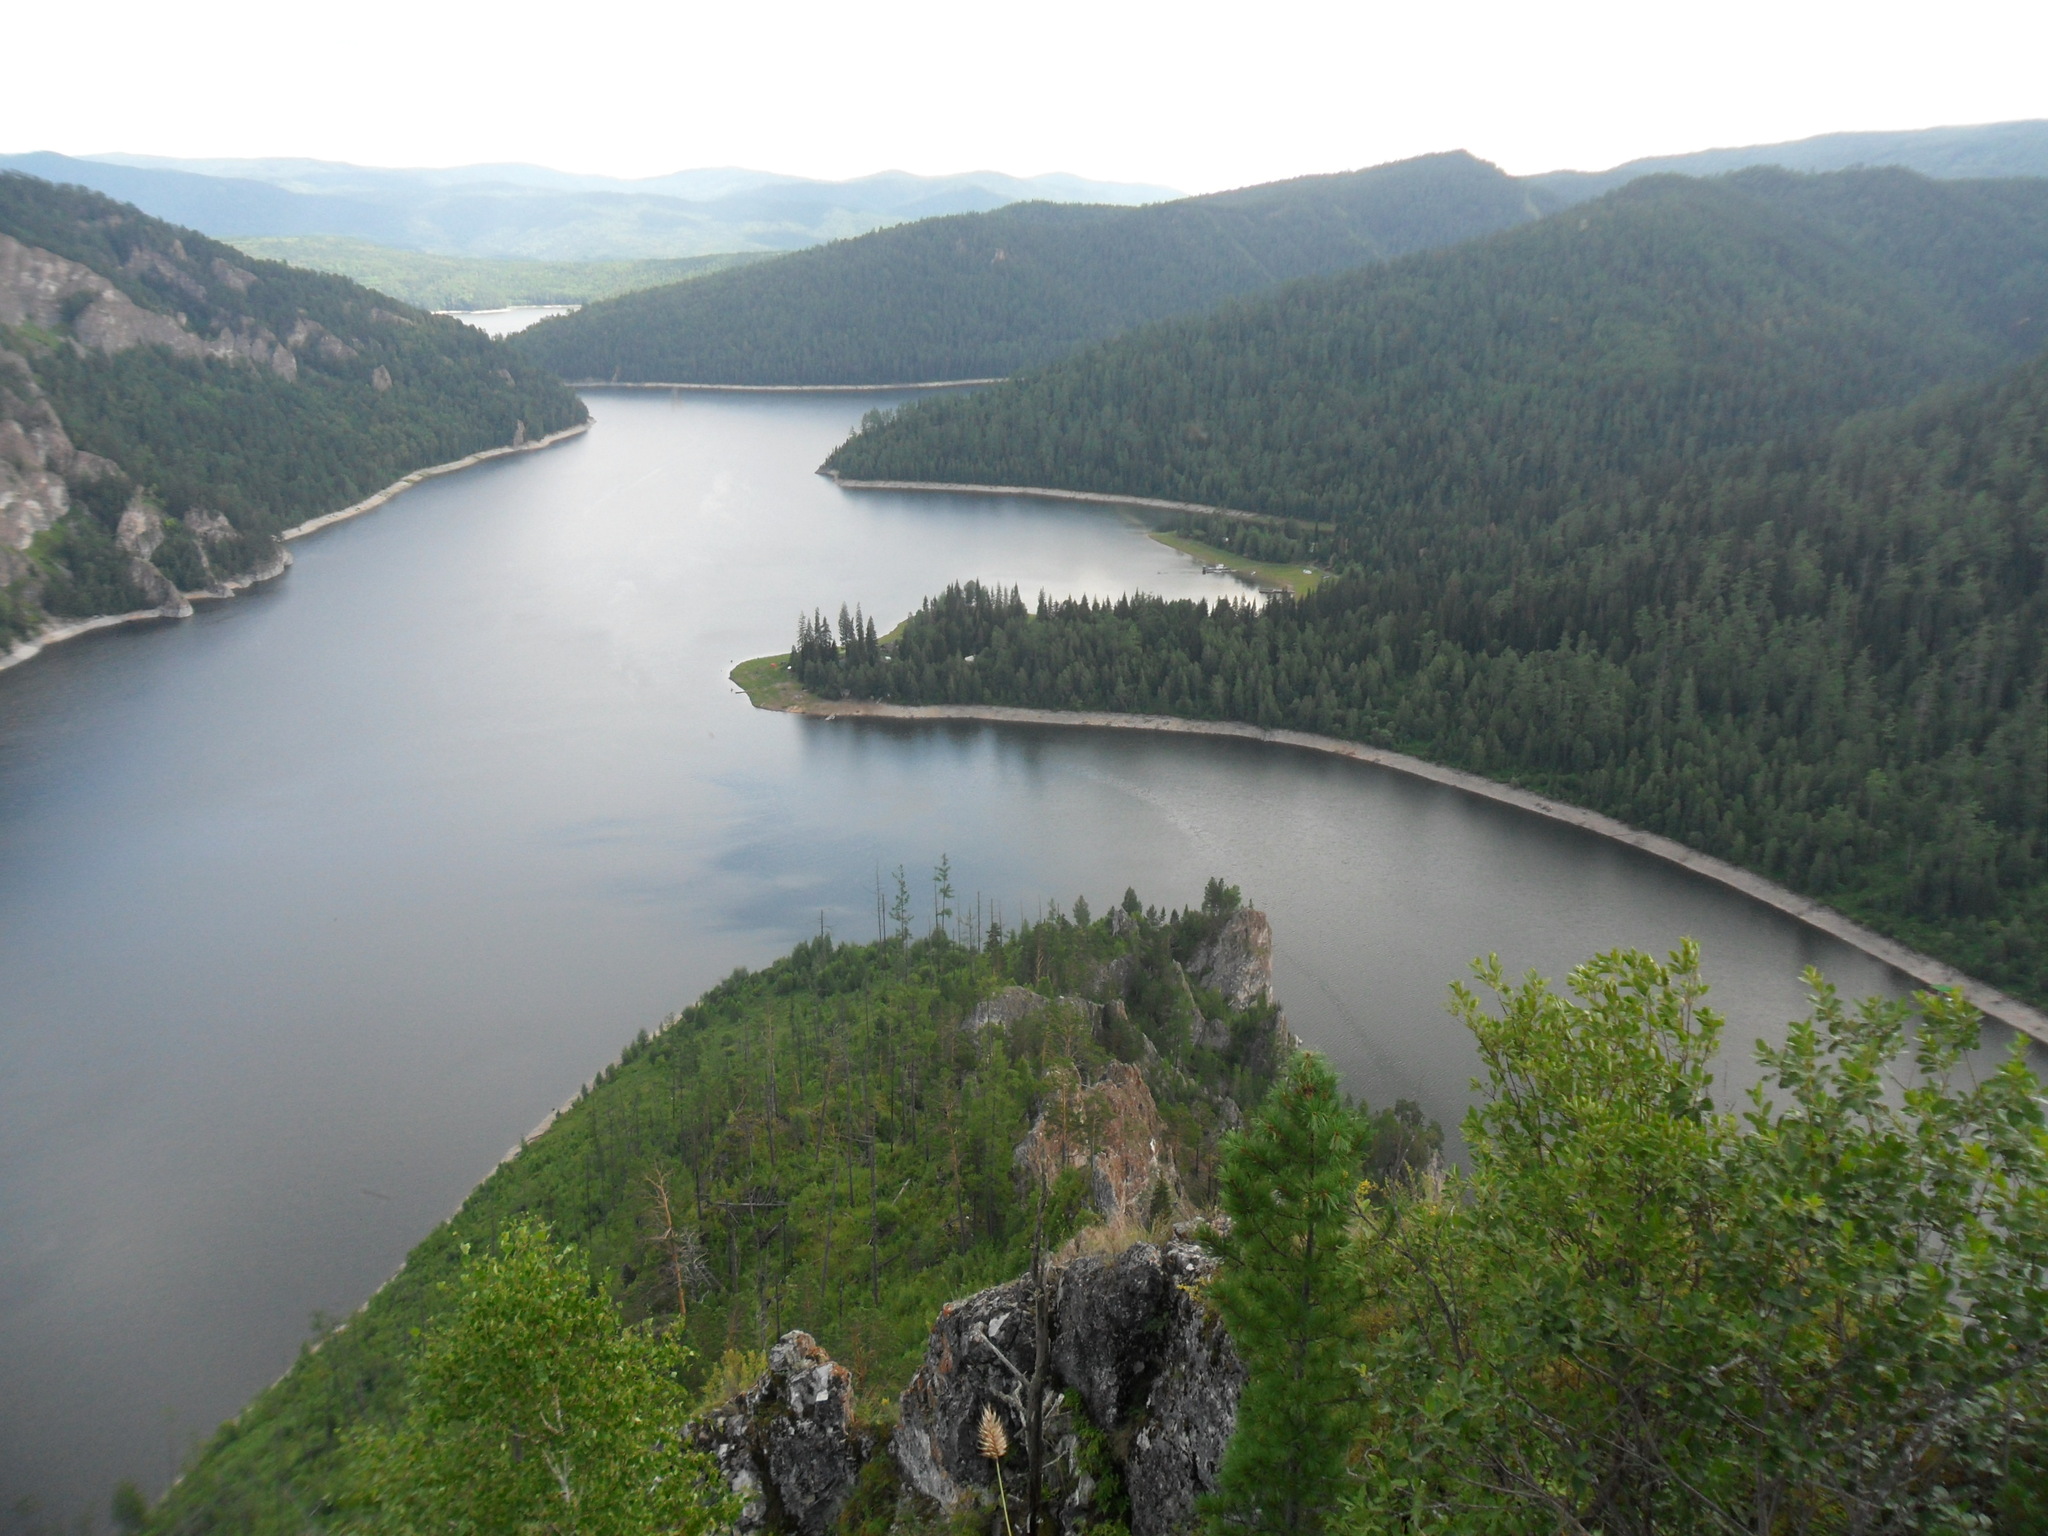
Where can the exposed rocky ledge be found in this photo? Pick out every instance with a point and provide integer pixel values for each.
(788, 1445)
(1141, 1375)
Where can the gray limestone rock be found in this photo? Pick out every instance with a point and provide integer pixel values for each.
(980, 1354)
(1190, 1410)
(1006, 1007)
(1238, 961)
(1131, 1338)
(787, 1445)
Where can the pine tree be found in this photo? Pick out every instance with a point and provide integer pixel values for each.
(1290, 1296)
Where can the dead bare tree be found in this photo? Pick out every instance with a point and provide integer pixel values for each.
(681, 1250)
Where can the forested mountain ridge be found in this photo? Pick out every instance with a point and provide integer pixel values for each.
(1822, 659)
(1671, 1318)
(1971, 152)
(979, 295)
(168, 405)
(837, 1141)
(1509, 377)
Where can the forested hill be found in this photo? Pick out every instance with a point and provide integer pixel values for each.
(169, 404)
(981, 295)
(1826, 660)
(828, 1144)
(1514, 377)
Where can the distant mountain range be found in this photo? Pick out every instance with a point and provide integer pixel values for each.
(1990, 150)
(532, 212)
(537, 213)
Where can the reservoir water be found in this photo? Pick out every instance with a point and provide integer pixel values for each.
(516, 317)
(311, 905)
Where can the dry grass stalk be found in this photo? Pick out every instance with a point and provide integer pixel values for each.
(995, 1445)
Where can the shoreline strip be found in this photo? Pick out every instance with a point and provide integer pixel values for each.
(1049, 493)
(779, 389)
(372, 503)
(1925, 969)
(35, 645)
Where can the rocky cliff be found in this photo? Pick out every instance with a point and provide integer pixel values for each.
(1141, 1383)
(1138, 1403)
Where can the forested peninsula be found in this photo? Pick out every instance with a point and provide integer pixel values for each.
(1719, 508)
(981, 295)
(973, 1230)
(830, 1144)
(169, 406)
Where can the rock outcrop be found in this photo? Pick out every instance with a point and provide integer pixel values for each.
(1238, 961)
(35, 456)
(980, 1354)
(1012, 1005)
(788, 1444)
(1190, 1410)
(1153, 1372)
(1111, 1127)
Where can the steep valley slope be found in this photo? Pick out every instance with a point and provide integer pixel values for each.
(169, 406)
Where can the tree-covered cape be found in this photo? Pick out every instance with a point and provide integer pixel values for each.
(835, 1140)
(1599, 533)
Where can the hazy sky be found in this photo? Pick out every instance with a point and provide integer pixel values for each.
(1192, 94)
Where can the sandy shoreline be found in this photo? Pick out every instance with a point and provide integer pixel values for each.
(781, 389)
(1047, 493)
(57, 634)
(1924, 969)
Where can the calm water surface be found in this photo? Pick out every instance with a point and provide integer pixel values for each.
(311, 905)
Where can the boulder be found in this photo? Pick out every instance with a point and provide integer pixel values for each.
(788, 1445)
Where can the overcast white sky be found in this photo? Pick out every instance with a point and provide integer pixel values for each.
(1193, 94)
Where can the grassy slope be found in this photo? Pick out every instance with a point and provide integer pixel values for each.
(978, 295)
(1297, 579)
(864, 1041)
(434, 281)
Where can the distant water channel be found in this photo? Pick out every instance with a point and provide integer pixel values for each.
(311, 905)
(504, 322)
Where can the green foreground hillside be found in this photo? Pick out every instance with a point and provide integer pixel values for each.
(1610, 523)
(835, 1134)
(435, 281)
(219, 398)
(1634, 1312)
(984, 294)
